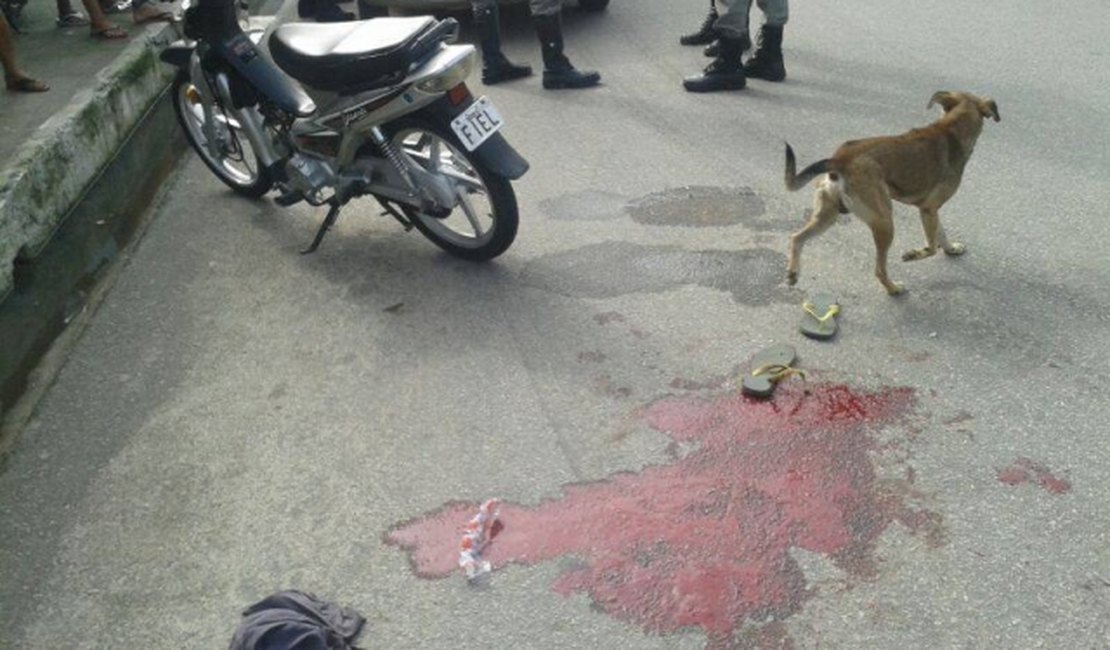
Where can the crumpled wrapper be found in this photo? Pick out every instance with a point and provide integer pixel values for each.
(476, 537)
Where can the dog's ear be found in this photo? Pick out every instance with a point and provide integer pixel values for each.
(988, 108)
(946, 100)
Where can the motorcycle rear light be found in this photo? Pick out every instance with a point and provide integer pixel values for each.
(458, 94)
(456, 73)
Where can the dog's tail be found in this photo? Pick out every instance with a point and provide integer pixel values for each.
(796, 181)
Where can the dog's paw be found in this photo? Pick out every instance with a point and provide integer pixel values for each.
(955, 248)
(792, 278)
(895, 289)
(918, 254)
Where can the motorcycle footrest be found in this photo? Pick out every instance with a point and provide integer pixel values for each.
(289, 198)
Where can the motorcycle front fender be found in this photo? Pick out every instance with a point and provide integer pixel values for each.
(496, 152)
(244, 56)
(177, 54)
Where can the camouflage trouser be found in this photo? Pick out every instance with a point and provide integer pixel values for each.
(734, 16)
(538, 7)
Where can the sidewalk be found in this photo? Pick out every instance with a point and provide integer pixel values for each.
(53, 144)
(81, 164)
(58, 149)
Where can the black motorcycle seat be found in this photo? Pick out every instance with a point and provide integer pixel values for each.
(353, 56)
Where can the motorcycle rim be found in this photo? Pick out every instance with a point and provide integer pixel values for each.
(237, 165)
(483, 223)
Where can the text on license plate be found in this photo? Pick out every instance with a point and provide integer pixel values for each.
(477, 123)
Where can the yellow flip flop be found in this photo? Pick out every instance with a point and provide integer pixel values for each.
(769, 367)
(819, 321)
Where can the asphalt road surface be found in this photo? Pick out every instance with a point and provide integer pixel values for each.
(239, 419)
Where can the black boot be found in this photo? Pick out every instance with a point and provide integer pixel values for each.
(705, 33)
(766, 63)
(495, 67)
(714, 48)
(723, 73)
(557, 70)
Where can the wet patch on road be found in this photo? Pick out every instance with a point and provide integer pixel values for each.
(704, 207)
(706, 540)
(609, 269)
(1024, 470)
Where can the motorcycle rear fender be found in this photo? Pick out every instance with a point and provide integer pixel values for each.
(496, 152)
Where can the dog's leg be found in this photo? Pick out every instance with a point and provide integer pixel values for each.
(951, 248)
(875, 210)
(930, 221)
(825, 203)
(883, 232)
(934, 238)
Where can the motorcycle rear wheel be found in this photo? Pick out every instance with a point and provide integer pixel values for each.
(237, 165)
(484, 222)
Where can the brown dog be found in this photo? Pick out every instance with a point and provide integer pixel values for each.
(921, 168)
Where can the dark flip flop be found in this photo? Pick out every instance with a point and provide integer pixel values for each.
(819, 321)
(768, 367)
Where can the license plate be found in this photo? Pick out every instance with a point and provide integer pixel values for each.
(476, 124)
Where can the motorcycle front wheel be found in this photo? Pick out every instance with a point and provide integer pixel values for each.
(237, 164)
(483, 223)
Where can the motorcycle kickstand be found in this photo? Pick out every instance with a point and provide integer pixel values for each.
(329, 221)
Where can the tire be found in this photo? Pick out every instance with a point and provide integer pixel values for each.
(463, 232)
(239, 167)
(593, 5)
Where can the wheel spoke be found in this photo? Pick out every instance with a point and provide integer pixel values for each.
(468, 210)
(471, 183)
(435, 155)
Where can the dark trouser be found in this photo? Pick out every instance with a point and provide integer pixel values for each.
(733, 22)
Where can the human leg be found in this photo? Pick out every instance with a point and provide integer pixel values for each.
(725, 72)
(99, 24)
(68, 16)
(495, 66)
(14, 78)
(705, 33)
(557, 69)
(767, 61)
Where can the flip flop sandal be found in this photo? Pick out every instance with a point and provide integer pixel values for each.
(819, 321)
(74, 19)
(769, 367)
(109, 34)
(27, 85)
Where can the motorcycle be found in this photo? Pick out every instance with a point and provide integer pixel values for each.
(374, 108)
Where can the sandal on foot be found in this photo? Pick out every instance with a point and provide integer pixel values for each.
(819, 321)
(769, 367)
(74, 19)
(149, 13)
(109, 33)
(26, 85)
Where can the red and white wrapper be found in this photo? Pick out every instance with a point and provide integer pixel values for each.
(476, 538)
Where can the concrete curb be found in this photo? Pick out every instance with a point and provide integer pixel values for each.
(52, 170)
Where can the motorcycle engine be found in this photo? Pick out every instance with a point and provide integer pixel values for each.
(309, 175)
